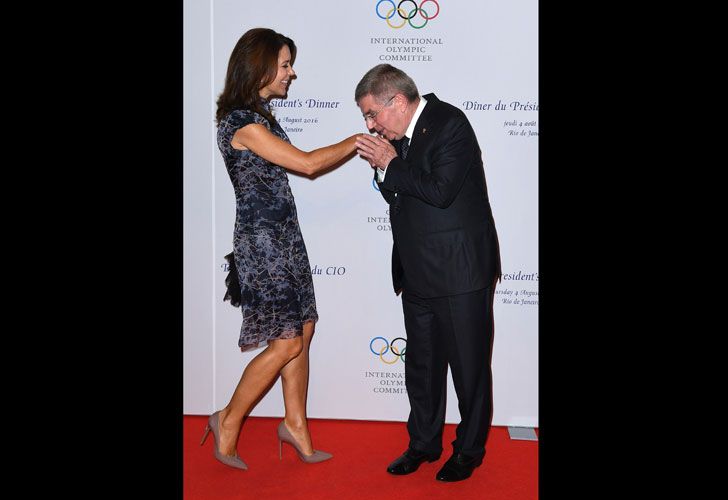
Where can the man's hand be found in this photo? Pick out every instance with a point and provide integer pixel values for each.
(376, 150)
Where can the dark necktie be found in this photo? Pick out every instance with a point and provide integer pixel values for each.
(404, 146)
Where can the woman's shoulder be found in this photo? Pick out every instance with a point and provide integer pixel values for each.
(240, 117)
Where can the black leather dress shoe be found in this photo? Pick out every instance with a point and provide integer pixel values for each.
(409, 462)
(458, 467)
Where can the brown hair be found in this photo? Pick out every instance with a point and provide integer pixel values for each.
(253, 65)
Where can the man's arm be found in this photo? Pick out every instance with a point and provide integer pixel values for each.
(448, 167)
(388, 195)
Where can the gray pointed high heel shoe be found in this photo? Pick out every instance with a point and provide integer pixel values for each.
(284, 435)
(213, 424)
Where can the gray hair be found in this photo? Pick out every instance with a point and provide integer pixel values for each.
(383, 81)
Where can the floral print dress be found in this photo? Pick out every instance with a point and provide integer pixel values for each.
(276, 287)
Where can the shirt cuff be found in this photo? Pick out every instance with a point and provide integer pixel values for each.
(380, 174)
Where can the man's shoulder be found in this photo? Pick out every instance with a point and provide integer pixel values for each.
(443, 111)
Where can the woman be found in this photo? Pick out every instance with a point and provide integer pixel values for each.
(274, 274)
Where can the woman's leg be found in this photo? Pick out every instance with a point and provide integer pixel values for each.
(256, 378)
(294, 377)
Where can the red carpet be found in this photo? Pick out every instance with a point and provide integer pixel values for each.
(362, 450)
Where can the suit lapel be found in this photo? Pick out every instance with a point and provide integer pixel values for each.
(424, 127)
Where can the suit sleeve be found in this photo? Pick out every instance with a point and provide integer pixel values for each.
(386, 193)
(449, 162)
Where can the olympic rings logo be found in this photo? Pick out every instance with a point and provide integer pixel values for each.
(384, 347)
(404, 16)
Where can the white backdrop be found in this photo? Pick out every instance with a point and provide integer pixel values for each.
(479, 56)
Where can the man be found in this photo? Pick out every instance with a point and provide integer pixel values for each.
(445, 261)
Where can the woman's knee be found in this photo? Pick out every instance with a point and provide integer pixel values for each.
(288, 348)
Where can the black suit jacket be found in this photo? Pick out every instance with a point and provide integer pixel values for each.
(445, 241)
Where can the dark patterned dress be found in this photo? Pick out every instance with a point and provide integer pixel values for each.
(276, 288)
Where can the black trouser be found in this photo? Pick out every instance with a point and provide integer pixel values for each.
(455, 330)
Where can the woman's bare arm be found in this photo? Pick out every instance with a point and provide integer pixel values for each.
(262, 142)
